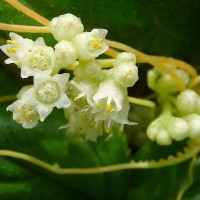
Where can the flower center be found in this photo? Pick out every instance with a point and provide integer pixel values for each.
(40, 60)
(48, 92)
(29, 113)
(97, 43)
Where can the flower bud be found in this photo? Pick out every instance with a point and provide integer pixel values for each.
(125, 71)
(188, 102)
(88, 69)
(65, 27)
(193, 122)
(65, 53)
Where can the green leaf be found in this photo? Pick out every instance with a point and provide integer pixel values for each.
(48, 143)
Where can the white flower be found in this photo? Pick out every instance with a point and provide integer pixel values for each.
(166, 128)
(125, 71)
(24, 110)
(193, 122)
(17, 49)
(111, 104)
(50, 92)
(188, 102)
(40, 58)
(86, 88)
(88, 69)
(81, 123)
(65, 53)
(65, 27)
(90, 45)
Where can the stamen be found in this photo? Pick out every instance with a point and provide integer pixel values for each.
(11, 41)
(108, 106)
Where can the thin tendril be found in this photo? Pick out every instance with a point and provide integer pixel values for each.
(24, 29)
(28, 12)
(145, 58)
(189, 181)
(94, 170)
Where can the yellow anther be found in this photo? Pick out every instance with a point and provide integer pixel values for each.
(108, 106)
(129, 72)
(42, 53)
(98, 106)
(19, 108)
(35, 58)
(96, 43)
(13, 50)
(105, 114)
(19, 62)
(76, 98)
(96, 126)
(112, 110)
(17, 46)
(8, 49)
(11, 41)
(107, 130)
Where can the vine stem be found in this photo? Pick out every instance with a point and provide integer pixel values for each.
(23, 29)
(194, 82)
(28, 12)
(95, 170)
(148, 59)
(189, 181)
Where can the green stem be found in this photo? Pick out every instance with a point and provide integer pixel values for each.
(94, 170)
(143, 102)
(189, 181)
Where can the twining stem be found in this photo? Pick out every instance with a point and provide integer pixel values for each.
(112, 53)
(28, 12)
(145, 58)
(194, 82)
(8, 98)
(144, 102)
(178, 63)
(94, 170)
(189, 182)
(106, 63)
(24, 29)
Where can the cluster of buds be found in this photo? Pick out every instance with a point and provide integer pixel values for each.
(180, 115)
(94, 100)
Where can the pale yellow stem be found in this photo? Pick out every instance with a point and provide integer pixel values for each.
(145, 58)
(194, 82)
(28, 12)
(8, 98)
(24, 29)
(178, 63)
(106, 63)
(189, 182)
(94, 170)
(112, 53)
(142, 102)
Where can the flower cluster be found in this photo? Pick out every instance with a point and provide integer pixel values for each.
(94, 100)
(180, 115)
